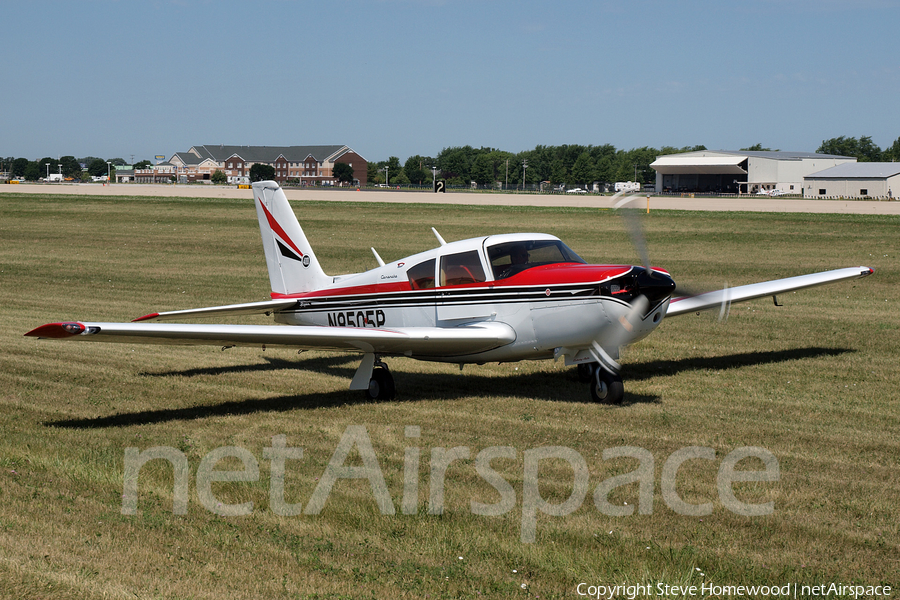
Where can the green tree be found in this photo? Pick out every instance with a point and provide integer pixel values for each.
(144, 164)
(583, 169)
(372, 173)
(863, 148)
(483, 170)
(557, 172)
(71, 167)
(97, 168)
(18, 167)
(400, 178)
(891, 153)
(756, 148)
(32, 171)
(343, 172)
(261, 172)
(415, 168)
(219, 177)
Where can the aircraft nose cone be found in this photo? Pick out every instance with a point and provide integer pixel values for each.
(655, 286)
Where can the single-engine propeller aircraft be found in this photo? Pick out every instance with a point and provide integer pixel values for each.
(498, 298)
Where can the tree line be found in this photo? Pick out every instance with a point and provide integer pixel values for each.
(570, 164)
(460, 165)
(69, 166)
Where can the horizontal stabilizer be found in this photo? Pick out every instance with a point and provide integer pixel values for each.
(248, 308)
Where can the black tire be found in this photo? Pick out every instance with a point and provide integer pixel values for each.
(381, 385)
(607, 388)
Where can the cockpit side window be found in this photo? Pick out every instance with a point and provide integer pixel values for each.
(462, 268)
(514, 257)
(421, 276)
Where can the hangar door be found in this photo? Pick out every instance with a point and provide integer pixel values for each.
(703, 174)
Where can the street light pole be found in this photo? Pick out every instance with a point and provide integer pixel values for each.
(108, 171)
(386, 182)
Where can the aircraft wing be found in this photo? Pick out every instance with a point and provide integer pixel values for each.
(249, 308)
(718, 298)
(410, 341)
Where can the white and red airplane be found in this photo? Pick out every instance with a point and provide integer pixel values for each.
(499, 298)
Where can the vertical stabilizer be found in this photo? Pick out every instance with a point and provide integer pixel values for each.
(292, 264)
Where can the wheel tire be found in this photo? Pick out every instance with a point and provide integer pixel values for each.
(381, 385)
(607, 388)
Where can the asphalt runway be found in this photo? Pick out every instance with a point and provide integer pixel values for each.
(746, 203)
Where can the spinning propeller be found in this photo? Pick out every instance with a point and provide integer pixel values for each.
(650, 284)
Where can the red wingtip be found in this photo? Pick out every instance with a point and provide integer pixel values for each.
(57, 330)
(146, 317)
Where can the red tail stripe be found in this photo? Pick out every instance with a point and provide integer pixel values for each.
(278, 230)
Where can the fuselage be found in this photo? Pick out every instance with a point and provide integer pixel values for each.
(556, 303)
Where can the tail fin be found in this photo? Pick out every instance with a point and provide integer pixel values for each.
(292, 264)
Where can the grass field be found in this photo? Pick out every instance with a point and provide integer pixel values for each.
(815, 382)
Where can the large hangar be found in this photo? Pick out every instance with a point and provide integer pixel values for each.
(726, 172)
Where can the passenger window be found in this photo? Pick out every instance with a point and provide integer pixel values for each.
(462, 268)
(421, 276)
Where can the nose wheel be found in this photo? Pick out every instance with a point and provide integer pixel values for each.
(606, 388)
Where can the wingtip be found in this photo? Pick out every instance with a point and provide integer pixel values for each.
(57, 330)
(146, 317)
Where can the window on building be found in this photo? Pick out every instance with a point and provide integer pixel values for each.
(821, 191)
(864, 192)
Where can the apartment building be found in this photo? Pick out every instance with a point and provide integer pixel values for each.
(300, 165)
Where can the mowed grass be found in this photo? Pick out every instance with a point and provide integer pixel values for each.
(815, 382)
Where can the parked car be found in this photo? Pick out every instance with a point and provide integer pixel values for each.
(576, 191)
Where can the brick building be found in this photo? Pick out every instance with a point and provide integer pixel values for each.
(300, 165)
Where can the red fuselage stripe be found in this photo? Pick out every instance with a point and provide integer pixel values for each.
(573, 274)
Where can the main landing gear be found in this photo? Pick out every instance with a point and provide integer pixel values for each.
(606, 388)
(381, 384)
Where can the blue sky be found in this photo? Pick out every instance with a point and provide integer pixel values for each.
(401, 77)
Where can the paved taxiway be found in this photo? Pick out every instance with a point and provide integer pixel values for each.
(746, 203)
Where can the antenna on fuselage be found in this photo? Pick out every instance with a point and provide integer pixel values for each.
(438, 236)
(378, 258)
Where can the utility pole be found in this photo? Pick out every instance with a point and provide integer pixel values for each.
(524, 166)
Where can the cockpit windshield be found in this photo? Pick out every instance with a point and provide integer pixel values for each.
(510, 258)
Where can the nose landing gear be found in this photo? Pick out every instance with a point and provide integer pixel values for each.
(606, 388)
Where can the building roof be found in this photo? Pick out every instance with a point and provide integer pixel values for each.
(859, 170)
(770, 154)
(187, 158)
(268, 154)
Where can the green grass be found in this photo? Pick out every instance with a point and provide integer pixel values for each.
(815, 382)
